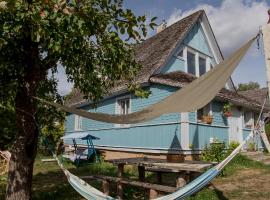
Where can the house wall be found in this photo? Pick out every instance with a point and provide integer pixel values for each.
(257, 139)
(160, 133)
(196, 40)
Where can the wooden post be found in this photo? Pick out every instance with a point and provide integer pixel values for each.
(159, 177)
(106, 187)
(141, 170)
(266, 44)
(119, 184)
(153, 194)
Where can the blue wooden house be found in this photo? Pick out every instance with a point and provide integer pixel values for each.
(172, 58)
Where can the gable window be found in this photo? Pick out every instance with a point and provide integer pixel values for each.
(191, 65)
(202, 66)
(78, 123)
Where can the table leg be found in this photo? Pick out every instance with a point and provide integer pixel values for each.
(159, 177)
(141, 170)
(105, 187)
(119, 185)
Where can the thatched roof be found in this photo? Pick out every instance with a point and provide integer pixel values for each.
(180, 79)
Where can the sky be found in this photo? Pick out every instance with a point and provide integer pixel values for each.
(233, 22)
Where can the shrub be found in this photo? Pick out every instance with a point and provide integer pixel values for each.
(251, 146)
(215, 152)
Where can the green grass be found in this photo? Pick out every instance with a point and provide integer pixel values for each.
(49, 182)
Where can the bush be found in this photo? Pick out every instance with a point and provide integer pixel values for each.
(251, 146)
(232, 146)
(215, 152)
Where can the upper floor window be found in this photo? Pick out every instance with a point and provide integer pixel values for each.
(78, 123)
(197, 63)
(202, 66)
(191, 64)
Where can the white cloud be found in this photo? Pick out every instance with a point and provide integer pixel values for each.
(233, 22)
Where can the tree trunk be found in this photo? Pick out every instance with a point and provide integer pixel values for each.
(24, 148)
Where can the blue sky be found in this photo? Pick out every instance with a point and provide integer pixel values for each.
(233, 23)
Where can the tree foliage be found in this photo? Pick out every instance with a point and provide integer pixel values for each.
(248, 86)
(92, 39)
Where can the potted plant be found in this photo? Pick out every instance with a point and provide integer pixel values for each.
(207, 119)
(227, 110)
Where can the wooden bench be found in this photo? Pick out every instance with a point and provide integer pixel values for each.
(153, 188)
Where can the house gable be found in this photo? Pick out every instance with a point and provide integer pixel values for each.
(201, 39)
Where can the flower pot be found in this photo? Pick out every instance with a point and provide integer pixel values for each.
(227, 114)
(207, 119)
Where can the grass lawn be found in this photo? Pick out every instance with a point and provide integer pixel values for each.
(242, 179)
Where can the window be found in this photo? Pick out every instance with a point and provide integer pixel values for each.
(248, 119)
(124, 106)
(202, 66)
(205, 111)
(191, 65)
(78, 123)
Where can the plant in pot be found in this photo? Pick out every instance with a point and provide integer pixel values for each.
(207, 119)
(227, 110)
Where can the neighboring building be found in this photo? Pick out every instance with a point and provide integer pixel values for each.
(171, 59)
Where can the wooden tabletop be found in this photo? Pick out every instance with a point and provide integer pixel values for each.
(162, 164)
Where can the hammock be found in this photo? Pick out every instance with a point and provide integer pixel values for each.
(91, 193)
(191, 97)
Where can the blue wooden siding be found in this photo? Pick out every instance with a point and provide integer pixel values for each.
(146, 136)
(200, 134)
(160, 133)
(175, 64)
(158, 92)
(218, 117)
(196, 39)
(257, 139)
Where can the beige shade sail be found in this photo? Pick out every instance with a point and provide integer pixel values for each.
(189, 98)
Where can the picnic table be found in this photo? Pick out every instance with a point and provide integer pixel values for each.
(184, 169)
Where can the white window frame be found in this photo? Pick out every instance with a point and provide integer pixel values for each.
(117, 109)
(197, 56)
(77, 123)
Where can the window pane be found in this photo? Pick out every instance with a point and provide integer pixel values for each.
(180, 54)
(202, 66)
(191, 63)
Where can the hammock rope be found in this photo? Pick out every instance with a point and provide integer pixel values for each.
(4, 161)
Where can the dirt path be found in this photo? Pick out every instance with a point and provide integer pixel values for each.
(246, 184)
